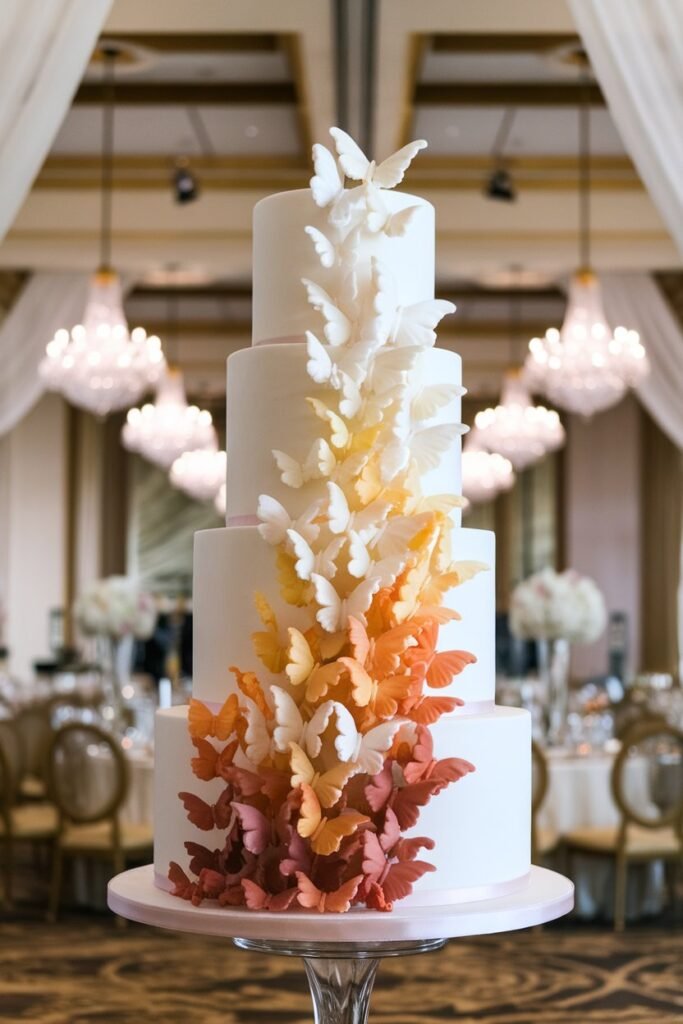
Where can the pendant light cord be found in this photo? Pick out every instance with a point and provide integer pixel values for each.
(584, 179)
(109, 57)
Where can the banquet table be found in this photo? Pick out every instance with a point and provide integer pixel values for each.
(579, 796)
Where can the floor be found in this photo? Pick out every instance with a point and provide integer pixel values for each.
(85, 970)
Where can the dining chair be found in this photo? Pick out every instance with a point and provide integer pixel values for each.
(35, 732)
(88, 779)
(31, 823)
(543, 840)
(651, 813)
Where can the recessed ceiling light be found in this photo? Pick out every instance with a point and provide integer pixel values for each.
(251, 131)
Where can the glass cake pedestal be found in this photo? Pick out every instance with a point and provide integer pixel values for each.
(341, 952)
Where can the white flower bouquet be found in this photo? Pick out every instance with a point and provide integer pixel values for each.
(552, 606)
(116, 607)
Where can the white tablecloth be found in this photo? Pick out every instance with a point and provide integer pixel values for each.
(579, 796)
(138, 808)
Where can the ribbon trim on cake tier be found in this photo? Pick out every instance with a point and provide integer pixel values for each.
(242, 521)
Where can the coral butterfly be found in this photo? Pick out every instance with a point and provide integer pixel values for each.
(423, 766)
(337, 902)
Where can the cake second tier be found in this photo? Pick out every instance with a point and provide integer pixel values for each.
(267, 410)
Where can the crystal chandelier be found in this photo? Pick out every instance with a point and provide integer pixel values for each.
(484, 474)
(100, 365)
(163, 431)
(516, 428)
(200, 473)
(585, 367)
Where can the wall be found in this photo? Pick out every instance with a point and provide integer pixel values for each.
(602, 524)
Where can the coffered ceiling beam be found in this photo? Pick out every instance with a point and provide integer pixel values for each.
(225, 94)
(512, 94)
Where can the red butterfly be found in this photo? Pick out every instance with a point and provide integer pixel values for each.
(404, 801)
(387, 878)
(209, 816)
(210, 886)
(257, 898)
(256, 829)
(422, 765)
(202, 858)
(182, 886)
(246, 783)
(209, 762)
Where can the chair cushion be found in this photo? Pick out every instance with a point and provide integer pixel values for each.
(32, 788)
(32, 821)
(546, 840)
(640, 842)
(98, 837)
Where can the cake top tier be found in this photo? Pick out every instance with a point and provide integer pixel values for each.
(336, 227)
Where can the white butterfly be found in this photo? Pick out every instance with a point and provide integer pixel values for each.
(406, 325)
(350, 362)
(315, 466)
(291, 728)
(366, 523)
(372, 405)
(395, 536)
(356, 165)
(275, 521)
(326, 184)
(390, 368)
(333, 614)
(326, 251)
(344, 254)
(365, 749)
(361, 564)
(257, 739)
(423, 447)
(309, 561)
(379, 218)
(428, 400)
(338, 327)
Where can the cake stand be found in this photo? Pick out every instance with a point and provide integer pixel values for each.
(341, 952)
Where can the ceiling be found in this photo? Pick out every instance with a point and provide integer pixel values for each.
(241, 89)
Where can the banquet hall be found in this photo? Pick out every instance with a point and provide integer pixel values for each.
(136, 140)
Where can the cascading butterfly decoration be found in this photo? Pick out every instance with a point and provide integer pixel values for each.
(325, 771)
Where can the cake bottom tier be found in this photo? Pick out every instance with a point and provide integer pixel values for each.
(481, 825)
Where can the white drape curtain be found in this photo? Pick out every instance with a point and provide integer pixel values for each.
(48, 301)
(45, 46)
(636, 51)
(635, 300)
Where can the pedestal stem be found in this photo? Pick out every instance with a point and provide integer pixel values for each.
(341, 989)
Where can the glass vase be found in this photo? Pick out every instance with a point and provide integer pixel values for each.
(115, 660)
(553, 667)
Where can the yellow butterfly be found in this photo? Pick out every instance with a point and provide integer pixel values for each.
(327, 786)
(294, 591)
(326, 834)
(303, 668)
(268, 647)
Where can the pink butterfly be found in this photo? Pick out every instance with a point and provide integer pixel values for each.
(424, 767)
(256, 830)
(405, 801)
(387, 879)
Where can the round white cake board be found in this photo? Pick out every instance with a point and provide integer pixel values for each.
(546, 896)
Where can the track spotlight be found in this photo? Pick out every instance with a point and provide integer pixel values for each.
(500, 186)
(185, 185)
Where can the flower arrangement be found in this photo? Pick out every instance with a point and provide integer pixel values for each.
(552, 606)
(116, 607)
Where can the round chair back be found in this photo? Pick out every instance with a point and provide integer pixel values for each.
(14, 753)
(88, 773)
(35, 730)
(647, 778)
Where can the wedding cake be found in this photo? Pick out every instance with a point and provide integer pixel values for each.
(342, 748)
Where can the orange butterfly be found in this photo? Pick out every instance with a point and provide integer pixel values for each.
(382, 696)
(203, 723)
(325, 834)
(257, 898)
(381, 656)
(437, 667)
(266, 642)
(427, 710)
(337, 902)
(251, 688)
(209, 762)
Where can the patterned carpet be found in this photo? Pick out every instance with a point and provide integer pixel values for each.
(85, 971)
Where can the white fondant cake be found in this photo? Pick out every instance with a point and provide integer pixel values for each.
(343, 746)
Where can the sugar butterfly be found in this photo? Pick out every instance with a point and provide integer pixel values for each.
(328, 785)
(291, 727)
(334, 611)
(380, 218)
(267, 643)
(275, 521)
(356, 165)
(344, 254)
(366, 523)
(338, 326)
(428, 400)
(325, 834)
(317, 464)
(367, 750)
(412, 325)
(308, 561)
(257, 740)
(399, 533)
(422, 447)
(339, 436)
(362, 565)
(336, 902)
(333, 368)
